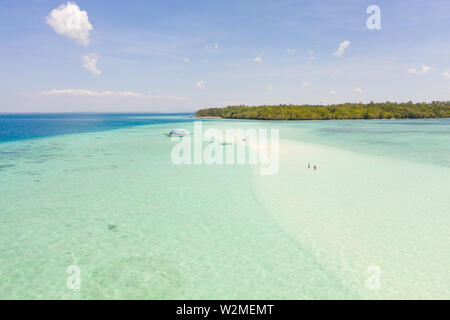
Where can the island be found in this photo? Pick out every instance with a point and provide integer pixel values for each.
(383, 110)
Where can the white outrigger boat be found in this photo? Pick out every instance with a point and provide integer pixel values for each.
(178, 133)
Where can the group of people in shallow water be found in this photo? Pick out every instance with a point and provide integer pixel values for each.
(309, 166)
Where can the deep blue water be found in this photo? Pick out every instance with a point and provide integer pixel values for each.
(27, 126)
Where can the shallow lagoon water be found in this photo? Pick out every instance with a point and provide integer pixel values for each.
(139, 226)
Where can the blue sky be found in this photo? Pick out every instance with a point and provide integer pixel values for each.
(170, 56)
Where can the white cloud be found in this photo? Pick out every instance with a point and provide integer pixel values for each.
(258, 59)
(337, 71)
(359, 90)
(446, 74)
(311, 55)
(116, 94)
(333, 92)
(269, 88)
(201, 85)
(186, 60)
(68, 20)
(305, 84)
(423, 69)
(90, 63)
(290, 51)
(84, 100)
(84, 92)
(212, 46)
(341, 49)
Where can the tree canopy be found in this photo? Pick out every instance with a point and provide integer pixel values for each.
(384, 110)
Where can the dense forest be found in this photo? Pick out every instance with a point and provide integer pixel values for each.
(385, 110)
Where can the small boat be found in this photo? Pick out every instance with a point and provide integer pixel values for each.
(178, 133)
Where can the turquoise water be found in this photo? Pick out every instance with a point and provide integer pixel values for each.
(138, 226)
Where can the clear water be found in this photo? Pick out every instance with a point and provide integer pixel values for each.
(138, 226)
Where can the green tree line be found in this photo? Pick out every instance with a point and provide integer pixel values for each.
(384, 110)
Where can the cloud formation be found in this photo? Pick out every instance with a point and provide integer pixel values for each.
(446, 74)
(117, 94)
(68, 20)
(90, 63)
(311, 55)
(305, 84)
(333, 92)
(423, 69)
(186, 60)
(258, 59)
(201, 85)
(212, 45)
(290, 51)
(337, 71)
(85, 100)
(341, 49)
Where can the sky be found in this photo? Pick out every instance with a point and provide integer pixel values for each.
(179, 56)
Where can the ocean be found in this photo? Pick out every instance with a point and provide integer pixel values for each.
(100, 192)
